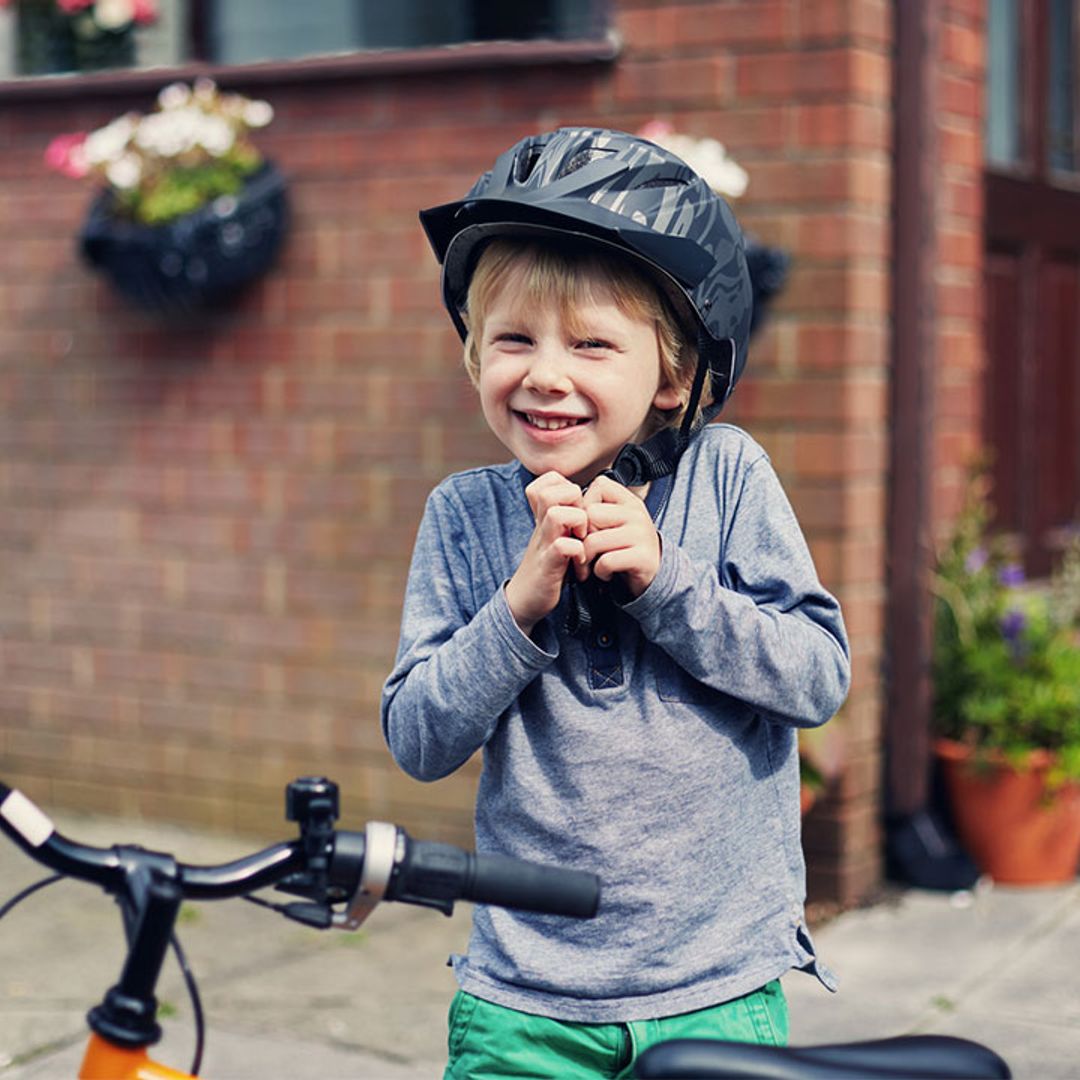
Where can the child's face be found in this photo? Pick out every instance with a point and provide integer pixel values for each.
(568, 398)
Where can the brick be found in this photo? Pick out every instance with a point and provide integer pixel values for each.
(834, 125)
(960, 248)
(962, 147)
(863, 20)
(962, 197)
(835, 234)
(960, 95)
(706, 81)
(840, 454)
(963, 46)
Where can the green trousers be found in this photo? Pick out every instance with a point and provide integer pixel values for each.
(491, 1042)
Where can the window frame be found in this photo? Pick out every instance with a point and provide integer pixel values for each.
(1033, 163)
(362, 64)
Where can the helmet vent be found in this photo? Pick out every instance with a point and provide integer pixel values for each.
(664, 181)
(582, 158)
(525, 164)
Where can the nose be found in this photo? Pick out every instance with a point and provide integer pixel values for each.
(548, 372)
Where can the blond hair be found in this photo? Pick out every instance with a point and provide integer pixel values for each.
(568, 275)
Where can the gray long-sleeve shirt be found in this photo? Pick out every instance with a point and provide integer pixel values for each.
(659, 751)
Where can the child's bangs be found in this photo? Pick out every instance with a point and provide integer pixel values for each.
(566, 277)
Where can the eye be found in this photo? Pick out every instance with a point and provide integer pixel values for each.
(511, 337)
(593, 344)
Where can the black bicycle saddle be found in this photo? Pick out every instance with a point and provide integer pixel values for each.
(909, 1056)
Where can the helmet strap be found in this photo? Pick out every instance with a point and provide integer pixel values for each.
(638, 464)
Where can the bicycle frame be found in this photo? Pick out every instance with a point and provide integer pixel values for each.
(106, 1061)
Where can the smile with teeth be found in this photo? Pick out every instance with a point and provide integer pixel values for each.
(553, 423)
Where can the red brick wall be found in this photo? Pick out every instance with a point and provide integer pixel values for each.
(960, 358)
(206, 526)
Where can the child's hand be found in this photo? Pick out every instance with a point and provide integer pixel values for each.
(622, 538)
(561, 526)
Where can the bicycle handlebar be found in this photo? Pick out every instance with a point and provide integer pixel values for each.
(383, 862)
(429, 868)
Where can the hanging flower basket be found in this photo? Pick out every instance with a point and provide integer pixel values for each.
(57, 36)
(200, 259)
(190, 211)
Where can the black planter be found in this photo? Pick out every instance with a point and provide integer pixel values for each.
(199, 260)
(104, 49)
(44, 43)
(768, 267)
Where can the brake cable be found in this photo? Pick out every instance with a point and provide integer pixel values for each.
(52, 879)
(181, 958)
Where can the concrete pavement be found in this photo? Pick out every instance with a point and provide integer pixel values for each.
(998, 965)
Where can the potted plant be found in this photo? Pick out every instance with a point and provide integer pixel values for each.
(1006, 671)
(189, 210)
(54, 36)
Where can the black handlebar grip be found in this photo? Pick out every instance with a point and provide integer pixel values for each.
(514, 883)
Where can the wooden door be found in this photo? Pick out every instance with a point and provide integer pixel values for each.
(1032, 413)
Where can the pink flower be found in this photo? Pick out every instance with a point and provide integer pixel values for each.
(65, 154)
(655, 130)
(146, 12)
(73, 7)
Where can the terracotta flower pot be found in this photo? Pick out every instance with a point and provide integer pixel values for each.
(1016, 830)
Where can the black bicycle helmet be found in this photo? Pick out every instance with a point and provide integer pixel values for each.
(624, 192)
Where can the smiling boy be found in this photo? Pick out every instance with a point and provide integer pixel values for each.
(638, 722)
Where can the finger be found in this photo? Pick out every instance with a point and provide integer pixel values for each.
(564, 520)
(605, 490)
(622, 535)
(621, 561)
(612, 515)
(551, 489)
(569, 550)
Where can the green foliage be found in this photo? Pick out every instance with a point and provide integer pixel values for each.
(183, 190)
(1006, 658)
(192, 149)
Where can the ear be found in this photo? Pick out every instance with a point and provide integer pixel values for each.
(667, 397)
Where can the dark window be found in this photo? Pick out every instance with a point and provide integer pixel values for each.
(1004, 127)
(1031, 88)
(1061, 88)
(47, 41)
(239, 31)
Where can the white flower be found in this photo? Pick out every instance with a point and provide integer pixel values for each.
(215, 135)
(707, 157)
(710, 161)
(174, 96)
(258, 114)
(166, 134)
(125, 172)
(108, 143)
(205, 90)
(114, 14)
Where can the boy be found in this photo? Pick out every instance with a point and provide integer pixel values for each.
(625, 618)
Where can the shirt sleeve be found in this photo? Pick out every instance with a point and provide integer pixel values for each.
(458, 667)
(759, 626)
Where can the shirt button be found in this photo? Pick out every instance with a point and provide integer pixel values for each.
(603, 640)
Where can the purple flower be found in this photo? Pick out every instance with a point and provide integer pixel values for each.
(1013, 623)
(1011, 575)
(976, 560)
(1012, 630)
